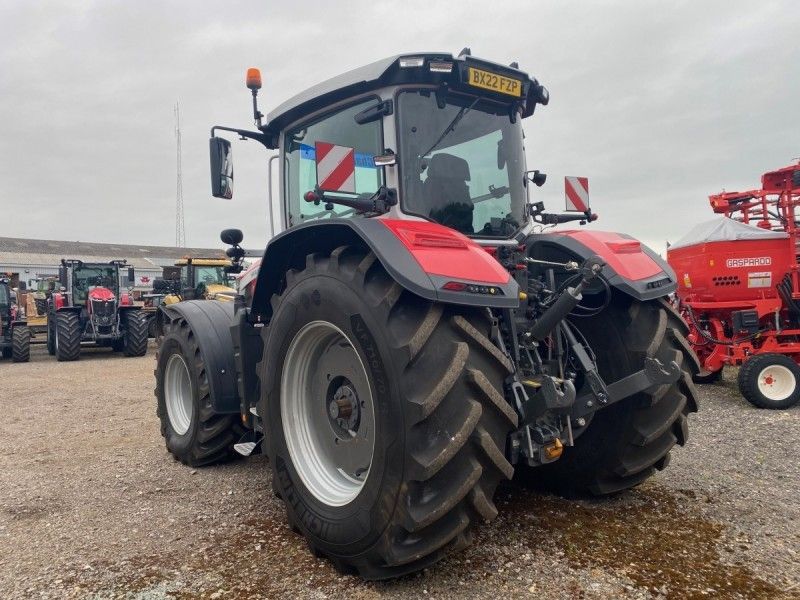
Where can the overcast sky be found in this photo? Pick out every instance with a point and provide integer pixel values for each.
(658, 103)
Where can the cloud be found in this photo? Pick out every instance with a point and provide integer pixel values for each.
(658, 104)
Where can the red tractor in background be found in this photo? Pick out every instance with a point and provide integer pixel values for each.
(15, 337)
(90, 307)
(739, 289)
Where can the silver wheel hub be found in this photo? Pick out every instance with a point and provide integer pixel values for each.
(178, 394)
(328, 413)
(344, 408)
(776, 382)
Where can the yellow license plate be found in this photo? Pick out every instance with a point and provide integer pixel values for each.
(496, 83)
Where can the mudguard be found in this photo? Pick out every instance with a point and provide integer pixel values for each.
(631, 267)
(71, 308)
(211, 322)
(422, 257)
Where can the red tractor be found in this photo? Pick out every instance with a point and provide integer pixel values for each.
(739, 289)
(411, 338)
(90, 308)
(15, 337)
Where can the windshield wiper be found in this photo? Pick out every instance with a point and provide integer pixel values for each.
(464, 110)
(494, 192)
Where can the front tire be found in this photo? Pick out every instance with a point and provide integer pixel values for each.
(193, 432)
(51, 335)
(68, 336)
(135, 333)
(433, 413)
(770, 381)
(627, 442)
(21, 344)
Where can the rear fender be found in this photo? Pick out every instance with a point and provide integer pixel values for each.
(631, 267)
(421, 256)
(211, 324)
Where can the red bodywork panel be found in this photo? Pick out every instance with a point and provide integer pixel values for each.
(247, 280)
(731, 271)
(442, 251)
(623, 254)
(100, 293)
(58, 301)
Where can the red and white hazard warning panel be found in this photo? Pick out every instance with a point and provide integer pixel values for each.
(336, 167)
(576, 191)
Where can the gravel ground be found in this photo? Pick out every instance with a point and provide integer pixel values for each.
(92, 506)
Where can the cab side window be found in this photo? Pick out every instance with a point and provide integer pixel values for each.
(300, 168)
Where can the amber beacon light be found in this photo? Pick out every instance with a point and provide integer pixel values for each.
(254, 79)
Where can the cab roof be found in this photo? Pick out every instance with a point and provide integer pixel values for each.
(202, 262)
(388, 71)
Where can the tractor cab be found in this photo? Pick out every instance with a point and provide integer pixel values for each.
(428, 137)
(196, 279)
(89, 280)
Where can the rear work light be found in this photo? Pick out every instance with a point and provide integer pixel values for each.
(437, 66)
(411, 61)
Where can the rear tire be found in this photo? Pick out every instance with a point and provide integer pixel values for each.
(193, 432)
(21, 344)
(770, 381)
(51, 335)
(152, 327)
(68, 336)
(135, 333)
(626, 443)
(440, 421)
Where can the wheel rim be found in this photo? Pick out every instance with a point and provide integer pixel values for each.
(328, 413)
(178, 394)
(776, 382)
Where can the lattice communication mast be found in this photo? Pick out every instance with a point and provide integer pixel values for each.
(180, 227)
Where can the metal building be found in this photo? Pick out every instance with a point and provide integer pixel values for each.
(27, 260)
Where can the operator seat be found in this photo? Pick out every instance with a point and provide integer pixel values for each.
(446, 192)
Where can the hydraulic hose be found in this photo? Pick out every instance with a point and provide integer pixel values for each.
(707, 337)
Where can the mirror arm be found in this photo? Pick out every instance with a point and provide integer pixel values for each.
(244, 133)
(257, 114)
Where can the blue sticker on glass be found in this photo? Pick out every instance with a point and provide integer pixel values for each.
(362, 160)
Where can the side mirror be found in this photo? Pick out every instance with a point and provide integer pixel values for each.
(221, 168)
(131, 276)
(231, 237)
